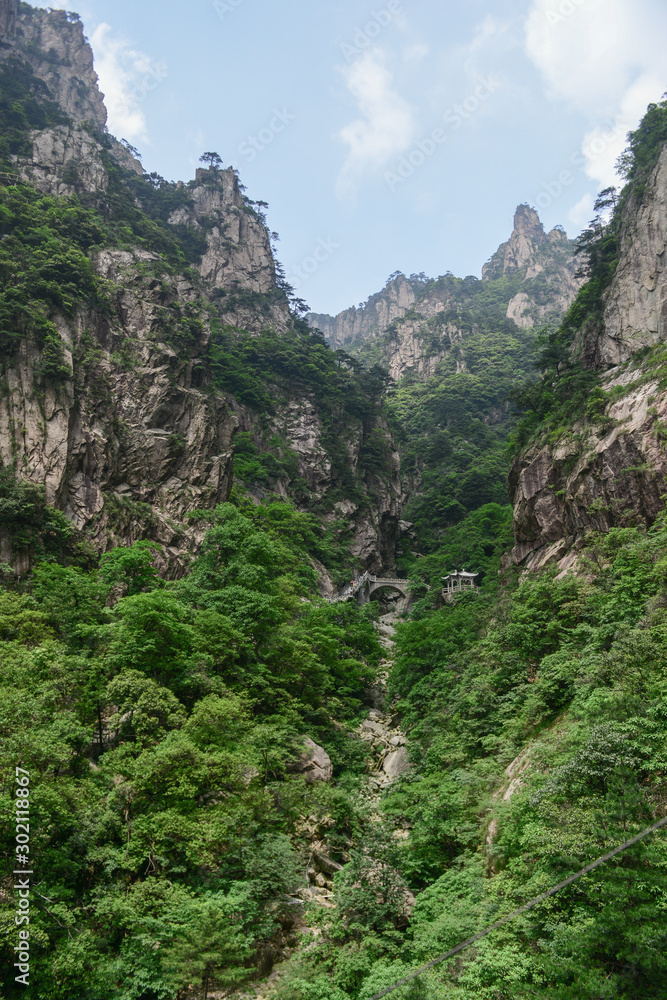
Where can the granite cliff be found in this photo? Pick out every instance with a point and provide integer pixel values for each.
(607, 465)
(135, 429)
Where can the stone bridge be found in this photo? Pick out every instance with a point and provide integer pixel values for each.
(365, 586)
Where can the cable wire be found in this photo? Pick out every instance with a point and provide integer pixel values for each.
(522, 909)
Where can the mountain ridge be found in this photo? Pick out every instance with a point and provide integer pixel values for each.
(542, 264)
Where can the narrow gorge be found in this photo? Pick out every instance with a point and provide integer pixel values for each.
(268, 756)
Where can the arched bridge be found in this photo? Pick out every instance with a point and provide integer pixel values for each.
(365, 586)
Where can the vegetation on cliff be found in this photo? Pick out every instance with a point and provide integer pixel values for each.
(163, 723)
(569, 386)
(537, 735)
(169, 847)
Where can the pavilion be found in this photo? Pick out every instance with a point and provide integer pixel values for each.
(457, 583)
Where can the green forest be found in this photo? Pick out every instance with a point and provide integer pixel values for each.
(163, 719)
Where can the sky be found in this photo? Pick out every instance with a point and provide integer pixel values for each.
(390, 136)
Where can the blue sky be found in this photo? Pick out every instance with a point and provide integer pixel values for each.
(396, 135)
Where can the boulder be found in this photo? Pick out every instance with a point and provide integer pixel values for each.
(314, 763)
(326, 863)
(395, 763)
(372, 727)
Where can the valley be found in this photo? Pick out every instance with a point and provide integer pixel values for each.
(268, 757)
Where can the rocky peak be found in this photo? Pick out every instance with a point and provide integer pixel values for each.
(527, 223)
(396, 325)
(520, 251)
(52, 42)
(239, 255)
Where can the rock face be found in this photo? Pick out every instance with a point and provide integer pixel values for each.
(314, 763)
(528, 254)
(635, 313)
(239, 258)
(53, 43)
(137, 435)
(358, 323)
(134, 438)
(373, 521)
(8, 14)
(66, 161)
(396, 326)
(609, 470)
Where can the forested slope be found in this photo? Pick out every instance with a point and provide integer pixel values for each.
(187, 467)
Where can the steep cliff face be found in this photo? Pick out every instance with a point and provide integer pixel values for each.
(132, 438)
(356, 324)
(53, 44)
(120, 411)
(608, 467)
(635, 314)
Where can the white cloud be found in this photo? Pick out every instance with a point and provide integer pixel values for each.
(127, 77)
(606, 59)
(416, 52)
(386, 127)
(582, 212)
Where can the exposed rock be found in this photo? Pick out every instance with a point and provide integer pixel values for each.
(8, 14)
(635, 313)
(314, 763)
(531, 252)
(374, 316)
(374, 524)
(396, 763)
(399, 321)
(66, 161)
(239, 256)
(373, 727)
(610, 471)
(53, 43)
(592, 479)
(519, 253)
(120, 433)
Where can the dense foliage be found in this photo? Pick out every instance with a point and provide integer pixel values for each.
(24, 105)
(159, 723)
(452, 427)
(267, 370)
(45, 268)
(163, 723)
(564, 683)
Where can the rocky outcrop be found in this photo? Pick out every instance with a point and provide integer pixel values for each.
(597, 475)
(635, 314)
(413, 323)
(239, 260)
(66, 161)
(134, 437)
(314, 764)
(608, 469)
(54, 45)
(545, 264)
(374, 316)
(521, 251)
